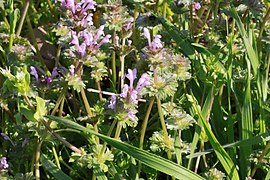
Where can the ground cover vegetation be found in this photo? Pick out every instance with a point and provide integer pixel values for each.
(134, 89)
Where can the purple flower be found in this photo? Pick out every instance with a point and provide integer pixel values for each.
(129, 42)
(154, 45)
(196, 6)
(69, 4)
(129, 92)
(112, 104)
(86, 5)
(72, 70)
(131, 115)
(34, 73)
(54, 72)
(90, 41)
(128, 25)
(143, 81)
(131, 76)
(44, 79)
(125, 91)
(3, 163)
(133, 97)
(80, 48)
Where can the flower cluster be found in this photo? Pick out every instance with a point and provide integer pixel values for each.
(90, 43)
(3, 163)
(168, 68)
(129, 97)
(79, 11)
(155, 45)
(43, 79)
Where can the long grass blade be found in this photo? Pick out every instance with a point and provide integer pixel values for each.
(149, 159)
(252, 55)
(222, 155)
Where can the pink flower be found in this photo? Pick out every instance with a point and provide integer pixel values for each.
(154, 45)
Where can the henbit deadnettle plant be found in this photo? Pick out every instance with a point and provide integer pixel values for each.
(78, 12)
(125, 106)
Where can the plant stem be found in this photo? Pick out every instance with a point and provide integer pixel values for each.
(164, 8)
(29, 102)
(61, 107)
(118, 130)
(259, 39)
(266, 149)
(85, 101)
(37, 158)
(143, 129)
(145, 121)
(25, 9)
(61, 96)
(57, 56)
(108, 134)
(162, 120)
(100, 92)
(122, 59)
(56, 157)
(114, 61)
(66, 143)
(89, 112)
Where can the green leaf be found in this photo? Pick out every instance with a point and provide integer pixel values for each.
(149, 159)
(28, 113)
(252, 55)
(53, 169)
(41, 108)
(262, 138)
(222, 155)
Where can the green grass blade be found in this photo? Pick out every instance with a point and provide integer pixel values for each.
(222, 155)
(53, 169)
(149, 159)
(255, 140)
(252, 55)
(205, 112)
(246, 127)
